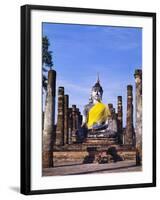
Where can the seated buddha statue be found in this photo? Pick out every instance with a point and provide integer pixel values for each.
(96, 113)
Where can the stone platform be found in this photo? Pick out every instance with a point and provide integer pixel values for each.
(71, 154)
(80, 169)
(94, 149)
(101, 141)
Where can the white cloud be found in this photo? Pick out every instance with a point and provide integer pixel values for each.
(72, 87)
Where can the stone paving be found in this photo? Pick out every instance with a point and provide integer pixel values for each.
(75, 169)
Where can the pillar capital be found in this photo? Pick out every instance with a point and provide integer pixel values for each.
(61, 91)
(74, 107)
(129, 87)
(138, 73)
(110, 105)
(129, 91)
(138, 76)
(119, 98)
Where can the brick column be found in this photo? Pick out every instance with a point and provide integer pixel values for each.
(70, 126)
(49, 120)
(77, 118)
(110, 106)
(66, 129)
(129, 121)
(60, 118)
(138, 114)
(80, 119)
(114, 121)
(74, 122)
(120, 120)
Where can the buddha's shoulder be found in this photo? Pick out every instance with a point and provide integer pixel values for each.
(101, 104)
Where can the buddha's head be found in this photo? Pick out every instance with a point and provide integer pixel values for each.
(97, 91)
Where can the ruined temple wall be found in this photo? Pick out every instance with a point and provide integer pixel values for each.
(68, 120)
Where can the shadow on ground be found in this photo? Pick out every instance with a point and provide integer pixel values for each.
(15, 189)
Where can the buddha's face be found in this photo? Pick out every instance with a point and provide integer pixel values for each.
(96, 94)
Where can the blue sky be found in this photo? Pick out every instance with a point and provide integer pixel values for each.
(82, 51)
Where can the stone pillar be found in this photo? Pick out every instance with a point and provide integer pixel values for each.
(66, 129)
(80, 119)
(70, 126)
(74, 124)
(114, 121)
(42, 120)
(110, 106)
(49, 120)
(129, 122)
(60, 118)
(138, 115)
(120, 120)
(110, 119)
(77, 118)
(124, 133)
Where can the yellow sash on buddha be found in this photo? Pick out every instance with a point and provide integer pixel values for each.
(98, 114)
